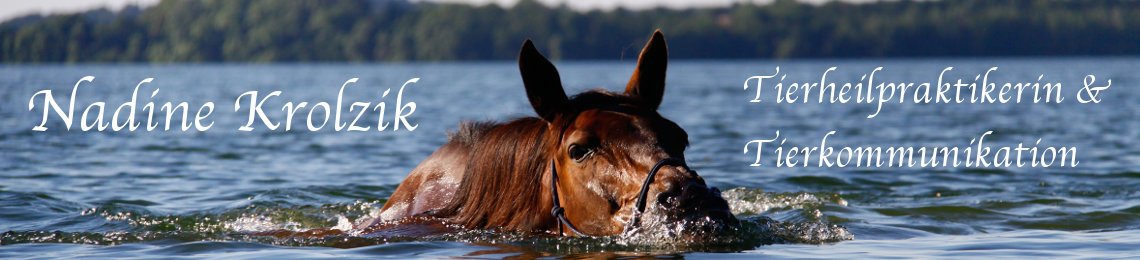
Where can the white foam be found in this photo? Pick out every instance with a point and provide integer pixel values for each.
(255, 223)
(343, 224)
(748, 202)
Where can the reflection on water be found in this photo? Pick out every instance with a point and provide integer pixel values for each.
(209, 194)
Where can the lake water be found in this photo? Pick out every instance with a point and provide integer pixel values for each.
(163, 194)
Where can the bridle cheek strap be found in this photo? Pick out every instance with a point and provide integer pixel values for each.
(560, 213)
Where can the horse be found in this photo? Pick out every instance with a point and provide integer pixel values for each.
(590, 163)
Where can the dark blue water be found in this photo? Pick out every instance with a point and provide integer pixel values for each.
(171, 193)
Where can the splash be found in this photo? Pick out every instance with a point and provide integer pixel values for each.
(654, 236)
(744, 201)
(257, 223)
(809, 227)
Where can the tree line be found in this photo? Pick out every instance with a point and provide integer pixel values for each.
(397, 30)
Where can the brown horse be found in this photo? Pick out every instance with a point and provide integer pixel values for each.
(594, 160)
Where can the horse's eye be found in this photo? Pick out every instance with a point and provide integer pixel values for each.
(578, 152)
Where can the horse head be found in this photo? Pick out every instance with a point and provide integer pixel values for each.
(614, 160)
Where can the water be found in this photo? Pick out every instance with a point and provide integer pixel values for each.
(163, 194)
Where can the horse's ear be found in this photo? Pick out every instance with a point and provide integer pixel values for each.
(543, 87)
(647, 84)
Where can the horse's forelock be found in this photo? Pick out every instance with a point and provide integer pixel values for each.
(599, 98)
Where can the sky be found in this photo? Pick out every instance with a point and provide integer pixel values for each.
(15, 8)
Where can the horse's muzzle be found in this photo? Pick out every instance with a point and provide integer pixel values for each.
(693, 200)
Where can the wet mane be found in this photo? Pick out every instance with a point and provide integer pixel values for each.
(469, 132)
(502, 184)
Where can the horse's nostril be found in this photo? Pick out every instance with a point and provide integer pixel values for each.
(684, 195)
(694, 199)
(668, 197)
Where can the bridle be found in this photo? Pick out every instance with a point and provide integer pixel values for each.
(559, 212)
